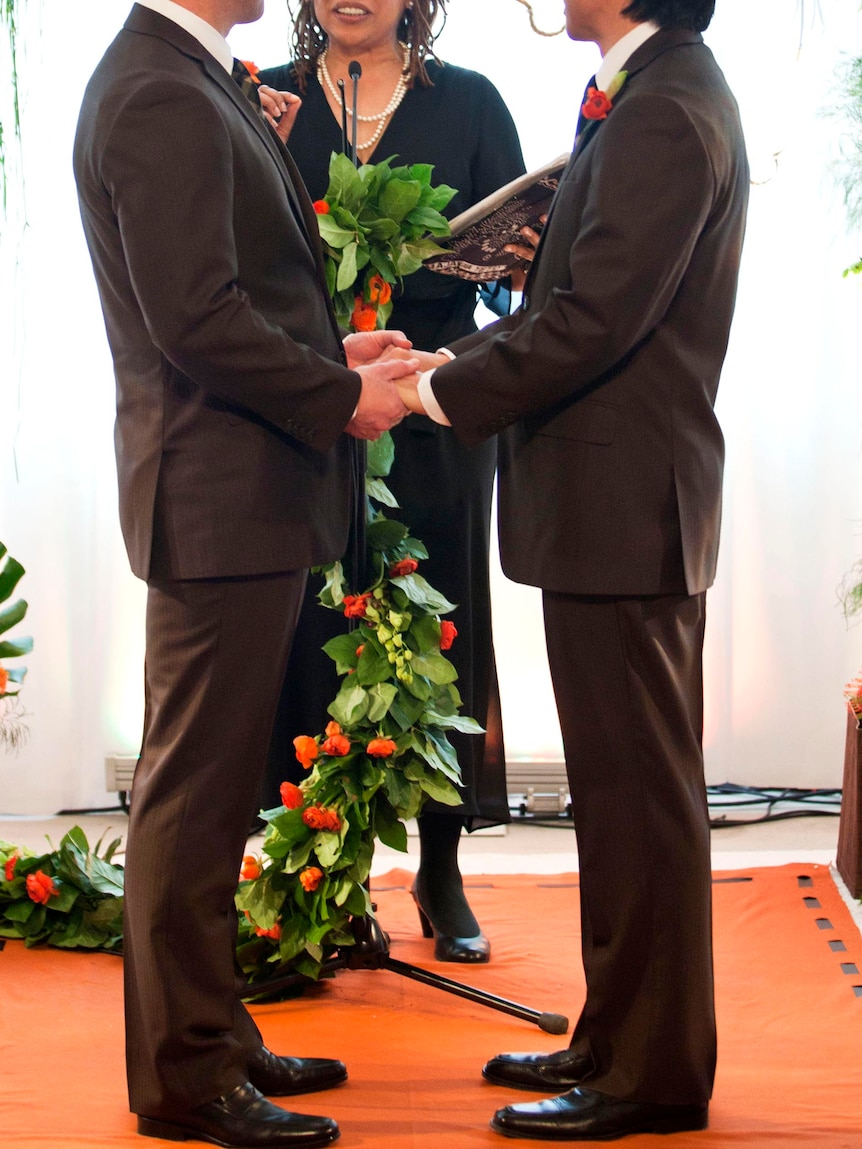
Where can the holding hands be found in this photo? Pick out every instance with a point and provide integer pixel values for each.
(380, 403)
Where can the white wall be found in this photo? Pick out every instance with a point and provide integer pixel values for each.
(778, 649)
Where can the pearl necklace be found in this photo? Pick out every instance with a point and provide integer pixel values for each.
(380, 118)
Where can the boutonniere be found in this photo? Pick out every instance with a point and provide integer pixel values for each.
(597, 104)
(252, 70)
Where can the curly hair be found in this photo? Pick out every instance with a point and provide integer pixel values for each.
(416, 30)
(694, 15)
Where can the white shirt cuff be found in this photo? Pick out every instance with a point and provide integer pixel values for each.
(426, 394)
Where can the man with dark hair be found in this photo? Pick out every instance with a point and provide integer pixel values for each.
(233, 390)
(611, 458)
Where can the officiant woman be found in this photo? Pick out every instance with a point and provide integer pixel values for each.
(419, 110)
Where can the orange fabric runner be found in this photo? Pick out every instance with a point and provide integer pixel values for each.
(789, 1012)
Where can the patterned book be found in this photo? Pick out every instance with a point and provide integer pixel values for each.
(474, 250)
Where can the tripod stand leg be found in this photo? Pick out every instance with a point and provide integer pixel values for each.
(549, 1022)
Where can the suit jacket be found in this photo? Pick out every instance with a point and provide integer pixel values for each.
(232, 388)
(611, 461)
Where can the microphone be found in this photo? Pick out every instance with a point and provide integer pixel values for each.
(354, 71)
(343, 118)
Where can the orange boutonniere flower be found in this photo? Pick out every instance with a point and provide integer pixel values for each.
(252, 70)
(598, 103)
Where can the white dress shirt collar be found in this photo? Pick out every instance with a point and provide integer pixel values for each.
(618, 55)
(203, 32)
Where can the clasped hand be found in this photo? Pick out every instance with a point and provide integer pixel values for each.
(381, 404)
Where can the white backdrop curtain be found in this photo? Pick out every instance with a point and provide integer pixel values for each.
(778, 649)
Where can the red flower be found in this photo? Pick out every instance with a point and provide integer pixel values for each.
(306, 750)
(252, 70)
(355, 604)
(274, 932)
(310, 878)
(448, 634)
(40, 887)
(337, 746)
(10, 867)
(379, 291)
(291, 795)
(404, 567)
(4, 679)
(364, 317)
(319, 818)
(251, 868)
(332, 728)
(360, 649)
(321, 207)
(596, 106)
(380, 747)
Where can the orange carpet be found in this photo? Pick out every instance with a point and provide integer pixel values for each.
(788, 957)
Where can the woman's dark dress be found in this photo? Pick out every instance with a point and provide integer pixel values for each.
(462, 127)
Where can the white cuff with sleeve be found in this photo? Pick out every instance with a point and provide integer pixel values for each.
(426, 394)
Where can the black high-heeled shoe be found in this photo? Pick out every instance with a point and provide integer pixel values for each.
(474, 950)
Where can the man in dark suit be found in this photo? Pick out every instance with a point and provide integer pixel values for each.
(610, 494)
(233, 390)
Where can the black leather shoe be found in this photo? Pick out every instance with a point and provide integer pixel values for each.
(585, 1115)
(541, 1072)
(243, 1119)
(282, 1076)
(475, 950)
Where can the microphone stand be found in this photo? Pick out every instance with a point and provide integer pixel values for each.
(343, 120)
(360, 451)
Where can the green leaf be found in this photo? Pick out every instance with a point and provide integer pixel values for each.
(10, 576)
(399, 197)
(17, 647)
(389, 829)
(420, 591)
(345, 185)
(441, 790)
(435, 667)
(342, 650)
(330, 232)
(350, 705)
(347, 269)
(430, 219)
(453, 722)
(12, 615)
(385, 534)
(381, 696)
(373, 667)
(380, 456)
(376, 489)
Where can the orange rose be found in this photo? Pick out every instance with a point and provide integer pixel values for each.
(596, 106)
(321, 207)
(337, 746)
(380, 747)
(252, 70)
(379, 291)
(404, 567)
(332, 728)
(306, 750)
(310, 878)
(355, 605)
(273, 932)
(40, 887)
(4, 679)
(9, 869)
(364, 317)
(314, 818)
(250, 868)
(291, 796)
(448, 634)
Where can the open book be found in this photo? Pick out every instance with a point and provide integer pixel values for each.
(474, 250)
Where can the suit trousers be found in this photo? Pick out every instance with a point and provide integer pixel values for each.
(216, 653)
(627, 675)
